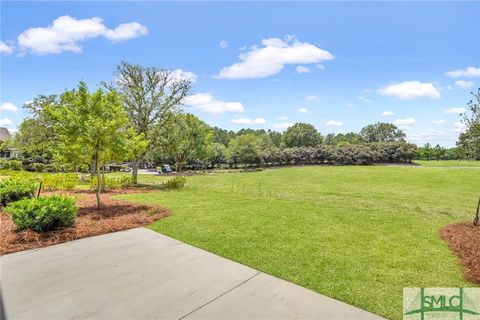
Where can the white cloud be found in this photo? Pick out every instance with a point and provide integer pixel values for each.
(8, 106)
(180, 74)
(438, 122)
(333, 123)
(207, 103)
(65, 34)
(387, 114)
(312, 98)
(428, 136)
(5, 122)
(283, 118)
(283, 125)
(469, 72)
(455, 110)
(464, 84)
(304, 110)
(272, 58)
(320, 66)
(5, 48)
(302, 69)
(407, 122)
(459, 127)
(449, 87)
(249, 121)
(223, 44)
(350, 105)
(363, 99)
(410, 90)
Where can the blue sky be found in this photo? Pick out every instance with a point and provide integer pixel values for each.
(339, 66)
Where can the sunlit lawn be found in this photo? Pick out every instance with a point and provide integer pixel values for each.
(357, 234)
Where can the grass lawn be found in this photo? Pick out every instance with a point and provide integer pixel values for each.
(448, 163)
(357, 234)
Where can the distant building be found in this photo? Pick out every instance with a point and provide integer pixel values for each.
(7, 153)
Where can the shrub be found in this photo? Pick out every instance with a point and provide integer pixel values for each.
(59, 181)
(175, 183)
(112, 182)
(11, 164)
(14, 190)
(44, 213)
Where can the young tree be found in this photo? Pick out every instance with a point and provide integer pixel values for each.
(382, 132)
(185, 138)
(148, 96)
(438, 152)
(470, 139)
(301, 135)
(92, 128)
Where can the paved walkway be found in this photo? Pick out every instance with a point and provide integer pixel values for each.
(141, 274)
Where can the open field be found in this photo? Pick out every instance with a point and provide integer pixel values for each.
(358, 234)
(449, 163)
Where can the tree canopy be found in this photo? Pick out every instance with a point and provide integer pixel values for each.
(301, 135)
(382, 132)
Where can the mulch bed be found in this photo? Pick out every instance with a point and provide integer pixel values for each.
(116, 215)
(464, 239)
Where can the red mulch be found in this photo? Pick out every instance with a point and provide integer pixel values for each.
(464, 239)
(116, 215)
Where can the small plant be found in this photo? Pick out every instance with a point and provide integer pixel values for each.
(175, 183)
(16, 189)
(44, 213)
(59, 181)
(110, 183)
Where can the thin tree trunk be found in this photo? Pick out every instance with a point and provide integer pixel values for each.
(135, 165)
(99, 180)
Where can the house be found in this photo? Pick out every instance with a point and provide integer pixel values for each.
(7, 153)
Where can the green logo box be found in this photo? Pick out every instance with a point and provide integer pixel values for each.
(441, 303)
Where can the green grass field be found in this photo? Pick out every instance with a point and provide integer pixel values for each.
(357, 234)
(449, 163)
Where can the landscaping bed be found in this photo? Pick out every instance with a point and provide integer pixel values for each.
(464, 239)
(115, 215)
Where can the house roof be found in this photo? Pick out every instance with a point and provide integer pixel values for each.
(5, 134)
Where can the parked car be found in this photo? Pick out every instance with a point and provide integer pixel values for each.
(165, 169)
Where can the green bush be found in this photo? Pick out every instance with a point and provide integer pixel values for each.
(59, 181)
(38, 167)
(112, 182)
(44, 213)
(11, 164)
(175, 183)
(15, 189)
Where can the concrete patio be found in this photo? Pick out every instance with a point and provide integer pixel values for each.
(141, 274)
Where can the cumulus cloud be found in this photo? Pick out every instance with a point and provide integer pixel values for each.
(334, 123)
(65, 34)
(283, 125)
(469, 72)
(302, 69)
(386, 114)
(363, 99)
(428, 136)
(407, 122)
(438, 122)
(248, 121)
(410, 90)
(207, 103)
(8, 106)
(312, 98)
(272, 57)
(5, 48)
(304, 110)
(464, 84)
(223, 44)
(5, 122)
(179, 74)
(455, 110)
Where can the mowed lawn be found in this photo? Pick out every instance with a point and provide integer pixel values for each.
(357, 234)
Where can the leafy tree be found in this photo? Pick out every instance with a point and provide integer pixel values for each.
(275, 138)
(92, 127)
(382, 132)
(219, 155)
(185, 138)
(34, 140)
(148, 96)
(470, 139)
(438, 152)
(222, 136)
(301, 135)
(245, 149)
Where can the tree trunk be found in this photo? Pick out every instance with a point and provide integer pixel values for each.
(99, 180)
(135, 165)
